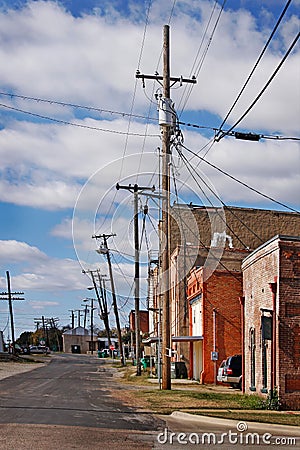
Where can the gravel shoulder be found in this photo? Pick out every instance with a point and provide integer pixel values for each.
(11, 368)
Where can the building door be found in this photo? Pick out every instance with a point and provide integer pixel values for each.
(75, 349)
(197, 360)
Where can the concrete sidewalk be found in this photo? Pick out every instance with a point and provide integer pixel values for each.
(201, 419)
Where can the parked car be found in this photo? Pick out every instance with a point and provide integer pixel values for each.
(232, 371)
(221, 371)
(39, 349)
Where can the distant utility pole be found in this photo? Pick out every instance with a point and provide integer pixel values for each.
(79, 311)
(101, 297)
(135, 190)
(105, 250)
(72, 318)
(10, 296)
(167, 118)
(45, 322)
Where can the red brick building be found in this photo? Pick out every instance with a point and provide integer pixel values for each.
(215, 316)
(271, 278)
(144, 321)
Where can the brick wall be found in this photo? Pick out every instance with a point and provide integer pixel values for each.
(221, 294)
(289, 325)
(276, 261)
(246, 227)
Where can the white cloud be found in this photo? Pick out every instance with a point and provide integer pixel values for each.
(39, 271)
(91, 60)
(15, 252)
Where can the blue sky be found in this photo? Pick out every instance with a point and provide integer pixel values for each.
(59, 163)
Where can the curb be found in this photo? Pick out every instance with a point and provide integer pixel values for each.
(280, 429)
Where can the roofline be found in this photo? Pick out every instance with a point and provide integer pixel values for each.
(241, 208)
(277, 237)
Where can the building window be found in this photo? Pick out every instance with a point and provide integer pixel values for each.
(266, 335)
(252, 359)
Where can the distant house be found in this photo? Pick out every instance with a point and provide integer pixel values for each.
(215, 321)
(78, 340)
(271, 278)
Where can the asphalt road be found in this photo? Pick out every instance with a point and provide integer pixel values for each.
(67, 404)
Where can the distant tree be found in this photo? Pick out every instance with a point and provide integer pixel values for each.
(25, 339)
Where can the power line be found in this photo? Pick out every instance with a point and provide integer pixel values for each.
(64, 122)
(256, 64)
(239, 181)
(120, 113)
(190, 170)
(201, 62)
(74, 105)
(263, 90)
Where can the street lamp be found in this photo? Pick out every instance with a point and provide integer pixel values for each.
(92, 320)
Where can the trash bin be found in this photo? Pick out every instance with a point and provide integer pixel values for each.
(180, 370)
(144, 363)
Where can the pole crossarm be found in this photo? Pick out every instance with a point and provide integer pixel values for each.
(135, 188)
(161, 78)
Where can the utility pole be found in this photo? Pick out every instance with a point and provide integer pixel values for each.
(72, 318)
(104, 310)
(135, 190)
(105, 250)
(91, 321)
(10, 296)
(166, 121)
(101, 300)
(79, 311)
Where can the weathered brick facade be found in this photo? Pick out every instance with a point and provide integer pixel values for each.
(220, 317)
(271, 279)
(246, 227)
(193, 243)
(216, 239)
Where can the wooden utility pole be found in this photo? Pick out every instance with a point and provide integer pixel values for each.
(10, 296)
(166, 121)
(105, 251)
(101, 297)
(72, 318)
(135, 190)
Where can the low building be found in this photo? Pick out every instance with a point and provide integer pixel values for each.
(78, 340)
(271, 279)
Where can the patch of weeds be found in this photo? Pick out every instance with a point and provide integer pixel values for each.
(272, 401)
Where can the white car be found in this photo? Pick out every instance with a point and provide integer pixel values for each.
(39, 349)
(220, 376)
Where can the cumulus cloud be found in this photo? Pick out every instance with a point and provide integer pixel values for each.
(83, 60)
(15, 252)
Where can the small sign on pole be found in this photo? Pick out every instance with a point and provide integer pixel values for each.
(214, 356)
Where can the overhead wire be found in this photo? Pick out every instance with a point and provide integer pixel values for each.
(132, 106)
(201, 62)
(119, 113)
(193, 175)
(190, 170)
(256, 64)
(64, 122)
(264, 88)
(239, 181)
